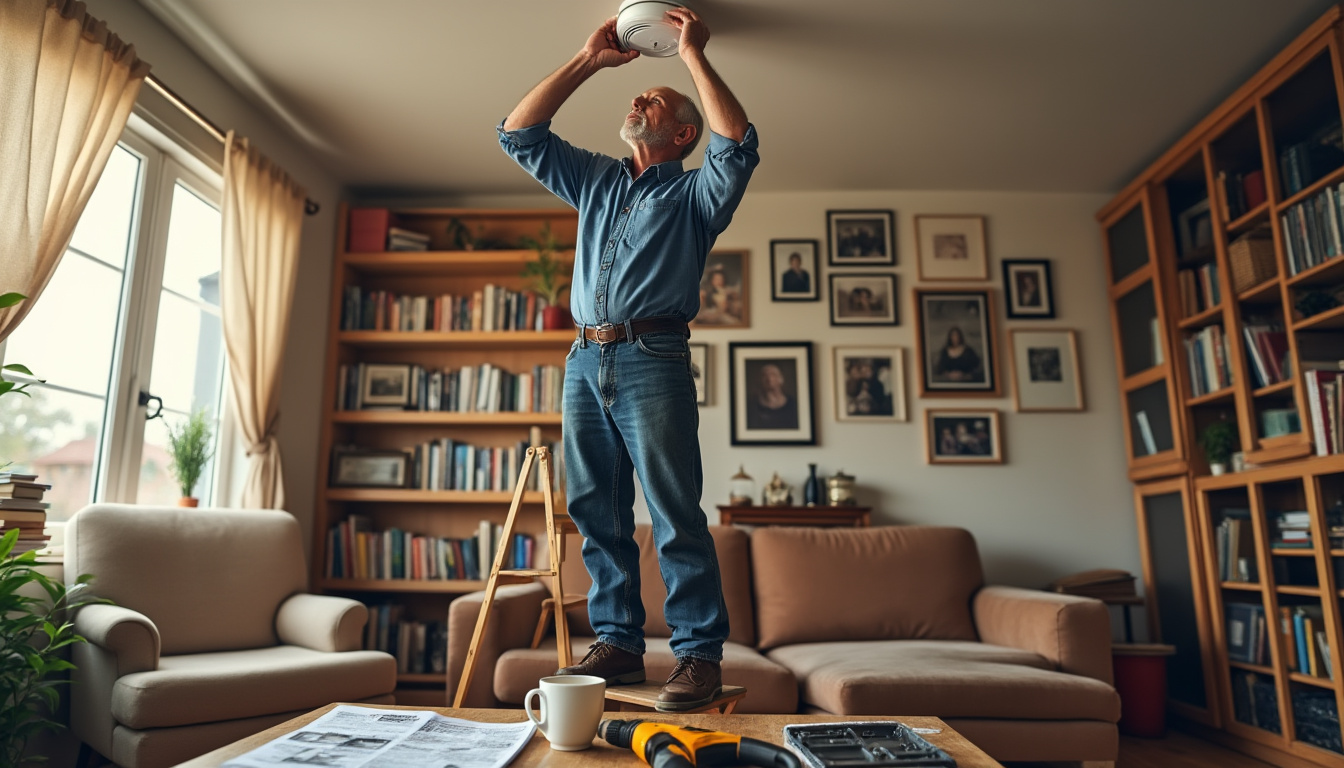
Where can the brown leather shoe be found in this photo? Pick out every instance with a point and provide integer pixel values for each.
(694, 683)
(616, 666)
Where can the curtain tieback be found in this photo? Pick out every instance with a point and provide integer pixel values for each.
(264, 446)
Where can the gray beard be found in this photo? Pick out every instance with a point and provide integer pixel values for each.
(640, 133)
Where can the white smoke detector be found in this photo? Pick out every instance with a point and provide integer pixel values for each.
(641, 26)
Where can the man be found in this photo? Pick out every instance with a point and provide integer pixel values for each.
(646, 226)
(797, 279)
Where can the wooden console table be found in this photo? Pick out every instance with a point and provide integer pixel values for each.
(819, 515)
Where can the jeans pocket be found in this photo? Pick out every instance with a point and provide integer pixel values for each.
(572, 349)
(668, 346)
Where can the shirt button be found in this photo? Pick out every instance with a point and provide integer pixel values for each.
(625, 209)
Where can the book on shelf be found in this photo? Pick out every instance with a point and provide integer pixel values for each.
(1277, 422)
(1199, 288)
(1240, 193)
(399, 239)
(356, 551)
(1267, 349)
(1146, 433)
(1314, 229)
(1246, 633)
(482, 388)
(419, 647)
(493, 308)
(1325, 399)
(1235, 541)
(1207, 356)
(1302, 163)
(446, 464)
(22, 510)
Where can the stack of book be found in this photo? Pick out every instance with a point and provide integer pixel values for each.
(399, 239)
(1199, 289)
(1206, 352)
(1236, 546)
(22, 509)
(1293, 530)
(1305, 643)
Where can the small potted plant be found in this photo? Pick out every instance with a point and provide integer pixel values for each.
(189, 446)
(1218, 440)
(547, 274)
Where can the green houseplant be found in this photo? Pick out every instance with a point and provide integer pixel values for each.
(547, 276)
(189, 446)
(10, 387)
(1218, 440)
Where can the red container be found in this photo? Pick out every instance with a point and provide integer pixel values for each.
(1141, 681)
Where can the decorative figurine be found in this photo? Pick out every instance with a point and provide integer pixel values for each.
(777, 493)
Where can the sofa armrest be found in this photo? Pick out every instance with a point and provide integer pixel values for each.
(513, 621)
(129, 636)
(321, 622)
(1073, 633)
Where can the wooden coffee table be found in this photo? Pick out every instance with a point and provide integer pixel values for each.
(538, 753)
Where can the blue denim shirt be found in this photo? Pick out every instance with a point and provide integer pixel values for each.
(642, 242)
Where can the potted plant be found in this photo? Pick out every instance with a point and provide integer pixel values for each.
(1218, 440)
(547, 274)
(189, 446)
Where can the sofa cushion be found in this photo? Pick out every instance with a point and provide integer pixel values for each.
(204, 687)
(888, 583)
(730, 543)
(943, 679)
(771, 689)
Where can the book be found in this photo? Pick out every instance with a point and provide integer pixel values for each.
(23, 490)
(31, 505)
(1146, 432)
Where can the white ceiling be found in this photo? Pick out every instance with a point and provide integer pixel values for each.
(1032, 95)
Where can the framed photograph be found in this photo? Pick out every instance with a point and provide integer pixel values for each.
(952, 248)
(386, 385)
(771, 388)
(962, 437)
(1195, 227)
(1045, 370)
(1030, 293)
(700, 372)
(723, 291)
(861, 238)
(870, 384)
(864, 299)
(958, 351)
(793, 268)
(369, 469)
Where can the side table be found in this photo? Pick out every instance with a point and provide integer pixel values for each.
(856, 517)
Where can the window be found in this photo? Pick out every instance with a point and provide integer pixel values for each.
(132, 308)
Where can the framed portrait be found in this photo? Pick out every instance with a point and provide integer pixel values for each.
(958, 351)
(864, 299)
(1030, 293)
(723, 291)
(1045, 370)
(861, 238)
(962, 436)
(870, 384)
(793, 270)
(952, 248)
(700, 372)
(386, 385)
(1195, 227)
(369, 468)
(771, 389)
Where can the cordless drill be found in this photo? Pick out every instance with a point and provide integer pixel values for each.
(661, 745)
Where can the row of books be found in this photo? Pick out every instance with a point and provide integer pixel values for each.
(1325, 396)
(1302, 163)
(450, 465)
(1240, 193)
(1314, 230)
(493, 308)
(1267, 348)
(483, 388)
(419, 647)
(1304, 640)
(1235, 542)
(1206, 352)
(356, 551)
(22, 509)
(1255, 700)
(1199, 289)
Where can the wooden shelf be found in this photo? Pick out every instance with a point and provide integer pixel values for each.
(417, 496)
(1247, 219)
(1330, 319)
(1293, 552)
(1226, 393)
(450, 339)
(446, 263)
(1273, 389)
(1207, 317)
(1301, 591)
(1263, 293)
(1328, 272)
(433, 586)
(1322, 682)
(1242, 586)
(1250, 667)
(447, 418)
(1313, 189)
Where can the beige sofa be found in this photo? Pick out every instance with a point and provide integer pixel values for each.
(853, 622)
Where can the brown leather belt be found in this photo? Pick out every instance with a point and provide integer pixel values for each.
(609, 332)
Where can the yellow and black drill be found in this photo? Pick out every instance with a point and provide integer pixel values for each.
(661, 745)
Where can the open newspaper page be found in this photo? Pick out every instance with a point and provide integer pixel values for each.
(363, 737)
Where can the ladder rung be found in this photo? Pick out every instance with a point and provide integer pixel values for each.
(568, 601)
(525, 572)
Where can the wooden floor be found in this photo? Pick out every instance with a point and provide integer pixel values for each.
(1176, 750)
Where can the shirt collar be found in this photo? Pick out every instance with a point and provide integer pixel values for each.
(665, 171)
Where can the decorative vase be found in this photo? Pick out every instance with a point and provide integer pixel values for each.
(812, 488)
(188, 501)
(556, 319)
(1217, 469)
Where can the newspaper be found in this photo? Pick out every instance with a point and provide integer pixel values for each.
(363, 737)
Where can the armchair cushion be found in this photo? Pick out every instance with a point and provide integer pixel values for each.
(1073, 633)
(322, 622)
(130, 636)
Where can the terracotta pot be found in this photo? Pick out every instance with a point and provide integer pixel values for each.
(188, 501)
(556, 319)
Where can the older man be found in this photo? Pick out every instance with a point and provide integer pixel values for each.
(646, 226)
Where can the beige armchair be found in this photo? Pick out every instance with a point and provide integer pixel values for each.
(210, 638)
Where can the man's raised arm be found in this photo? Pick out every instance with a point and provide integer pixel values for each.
(543, 101)
(722, 110)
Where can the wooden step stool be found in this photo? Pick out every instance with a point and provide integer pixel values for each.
(645, 696)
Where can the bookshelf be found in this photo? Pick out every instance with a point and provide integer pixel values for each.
(452, 341)
(1214, 256)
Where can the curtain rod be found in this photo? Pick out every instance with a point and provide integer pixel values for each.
(309, 207)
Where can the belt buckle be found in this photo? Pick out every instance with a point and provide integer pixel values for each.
(606, 332)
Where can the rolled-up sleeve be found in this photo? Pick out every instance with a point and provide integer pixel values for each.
(560, 166)
(723, 177)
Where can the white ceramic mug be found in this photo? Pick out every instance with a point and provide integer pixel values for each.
(571, 707)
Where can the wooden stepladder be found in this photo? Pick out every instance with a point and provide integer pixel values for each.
(557, 525)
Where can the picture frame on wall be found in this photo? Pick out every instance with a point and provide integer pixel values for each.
(794, 270)
(957, 436)
(861, 238)
(870, 384)
(725, 290)
(951, 247)
(700, 372)
(864, 299)
(1045, 370)
(957, 343)
(385, 386)
(770, 385)
(1030, 293)
(363, 468)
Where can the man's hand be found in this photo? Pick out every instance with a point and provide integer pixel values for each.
(603, 50)
(694, 33)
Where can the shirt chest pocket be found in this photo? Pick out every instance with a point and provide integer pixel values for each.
(652, 221)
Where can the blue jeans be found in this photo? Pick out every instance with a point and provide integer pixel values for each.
(629, 406)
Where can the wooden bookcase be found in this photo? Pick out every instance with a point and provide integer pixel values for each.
(1194, 326)
(443, 513)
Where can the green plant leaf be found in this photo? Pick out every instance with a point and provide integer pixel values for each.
(18, 369)
(10, 299)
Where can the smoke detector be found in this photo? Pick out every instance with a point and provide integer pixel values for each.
(641, 26)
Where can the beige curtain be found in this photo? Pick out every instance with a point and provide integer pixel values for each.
(263, 216)
(66, 89)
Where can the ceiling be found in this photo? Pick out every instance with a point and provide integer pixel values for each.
(1025, 95)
